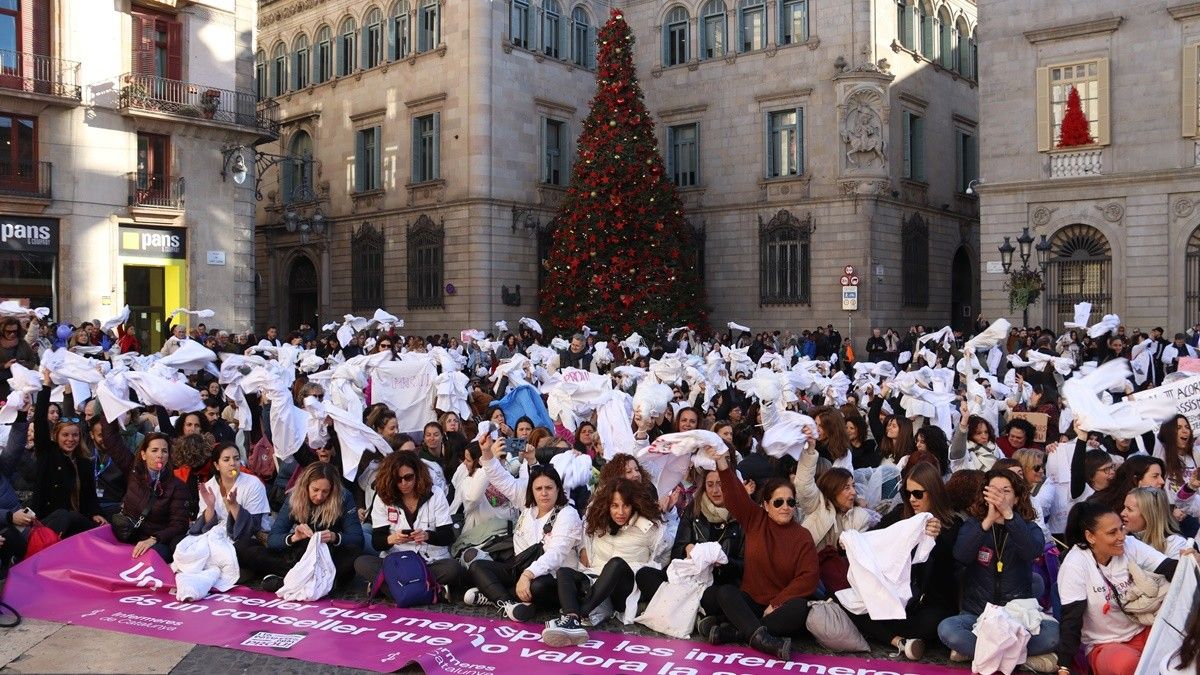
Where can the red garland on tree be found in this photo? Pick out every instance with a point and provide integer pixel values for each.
(1074, 130)
(623, 257)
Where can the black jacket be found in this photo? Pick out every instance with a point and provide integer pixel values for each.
(698, 530)
(997, 564)
(62, 481)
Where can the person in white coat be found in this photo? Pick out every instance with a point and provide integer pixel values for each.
(235, 500)
(545, 540)
(828, 504)
(473, 493)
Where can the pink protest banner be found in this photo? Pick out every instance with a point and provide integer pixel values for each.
(91, 580)
(1189, 364)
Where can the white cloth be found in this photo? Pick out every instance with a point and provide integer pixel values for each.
(1081, 577)
(191, 357)
(172, 395)
(575, 469)
(672, 610)
(311, 578)
(121, 318)
(470, 494)
(881, 567)
(407, 387)
(614, 420)
(1166, 636)
(14, 308)
(1126, 419)
(789, 434)
(203, 562)
(198, 313)
(575, 395)
(652, 399)
(1000, 642)
(531, 324)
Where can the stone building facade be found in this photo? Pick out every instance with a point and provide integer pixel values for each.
(1121, 212)
(112, 193)
(805, 136)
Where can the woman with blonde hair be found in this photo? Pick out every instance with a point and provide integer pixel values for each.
(319, 506)
(1147, 516)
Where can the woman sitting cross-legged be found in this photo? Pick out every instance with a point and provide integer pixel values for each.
(64, 490)
(623, 532)
(780, 566)
(545, 541)
(1096, 584)
(318, 507)
(410, 514)
(235, 500)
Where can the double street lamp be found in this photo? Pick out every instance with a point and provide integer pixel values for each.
(1025, 247)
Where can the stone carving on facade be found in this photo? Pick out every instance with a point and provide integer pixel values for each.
(864, 188)
(1042, 215)
(1112, 211)
(1183, 208)
(862, 130)
(267, 18)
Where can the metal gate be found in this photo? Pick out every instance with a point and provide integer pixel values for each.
(1192, 279)
(1080, 270)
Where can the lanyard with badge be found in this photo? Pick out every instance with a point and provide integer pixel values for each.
(1110, 593)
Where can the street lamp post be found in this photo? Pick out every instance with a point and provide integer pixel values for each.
(1025, 247)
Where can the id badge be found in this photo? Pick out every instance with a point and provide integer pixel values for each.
(985, 556)
(99, 493)
(393, 516)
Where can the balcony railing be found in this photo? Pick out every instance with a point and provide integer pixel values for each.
(26, 179)
(155, 190)
(184, 99)
(39, 74)
(1076, 164)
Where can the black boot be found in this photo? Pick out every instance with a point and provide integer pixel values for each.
(720, 633)
(766, 643)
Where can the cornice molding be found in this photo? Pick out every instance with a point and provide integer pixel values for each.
(1074, 30)
(1190, 10)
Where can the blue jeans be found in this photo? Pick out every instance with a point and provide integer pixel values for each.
(955, 632)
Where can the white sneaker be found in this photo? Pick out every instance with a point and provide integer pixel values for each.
(475, 598)
(517, 611)
(959, 657)
(600, 614)
(1042, 663)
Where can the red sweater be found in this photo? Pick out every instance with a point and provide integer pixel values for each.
(781, 560)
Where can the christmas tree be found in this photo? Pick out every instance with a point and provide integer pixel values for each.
(1074, 130)
(622, 257)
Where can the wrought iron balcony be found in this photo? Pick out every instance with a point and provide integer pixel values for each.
(155, 190)
(196, 101)
(37, 74)
(26, 179)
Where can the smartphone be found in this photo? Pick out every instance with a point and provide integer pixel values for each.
(514, 446)
(407, 533)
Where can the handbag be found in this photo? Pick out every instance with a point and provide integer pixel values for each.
(41, 537)
(835, 568)
(125, 528)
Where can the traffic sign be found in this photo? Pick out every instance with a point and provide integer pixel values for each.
(850, 298)
(849, 270)
(845, 280)
(853, 281)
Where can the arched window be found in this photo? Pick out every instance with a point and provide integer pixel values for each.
(279, 70)
(425, 263)
(582, 43)
(962, 48)
(712, 32)
(552, 36)
(1080, 270)
(675, 37)
(925, 27)
(372, 49)
(260, 74)
(914, 242)
(785, 252)
(301, 68)
(347, 56)
(904, 23)
(429, 25)
(518, 23)
(793, 21)
(401, 35)
(1192, 279)
(945, 39)
(752, 25)
(297, 172)
(366, 260)
(323, 61)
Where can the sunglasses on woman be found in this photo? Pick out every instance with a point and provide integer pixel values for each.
(919, 494)
(780, 501)
(407, 477)
(1038, 467)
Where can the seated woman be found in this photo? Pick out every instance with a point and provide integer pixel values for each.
(828, 502)
(1094, 583)
(706, 519)
(833, 443)
(410, 514)
(623, 532)
(236, 500)
(64, 488)
(781, 569)
(1137, 471)
(545, 541)
(996, 546)
(863, 451)
(973, 445)
(1146, 514)
(933, 598)
(110, 481)
(154, 497)
(317, 507)
(472, 494)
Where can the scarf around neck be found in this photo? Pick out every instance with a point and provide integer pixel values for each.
(711, 512)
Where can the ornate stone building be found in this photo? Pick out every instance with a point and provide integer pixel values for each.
(805, 136)
(112, 116)
(1120, 213)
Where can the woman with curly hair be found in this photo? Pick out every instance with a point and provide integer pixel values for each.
(318, 507)
(996, 546)
(408, 514)
(623, 532)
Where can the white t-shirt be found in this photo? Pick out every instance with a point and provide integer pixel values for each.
(1176, 543)
(1079, 578)
(431, 515)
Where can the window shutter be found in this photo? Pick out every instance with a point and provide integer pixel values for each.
(799, 141)
(768, 169)
(545, 150)
(906, 132)
(41, 30)
(960, 161)
(143, 44)
(359, 163)
(918, 150)
(287, 172)
(364, 46)
(378, 133)
(1105, 125)
(174, 50)
(696, 152)
(1188, 103)
(437, 146)
(415, 151)
(1043, 110)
